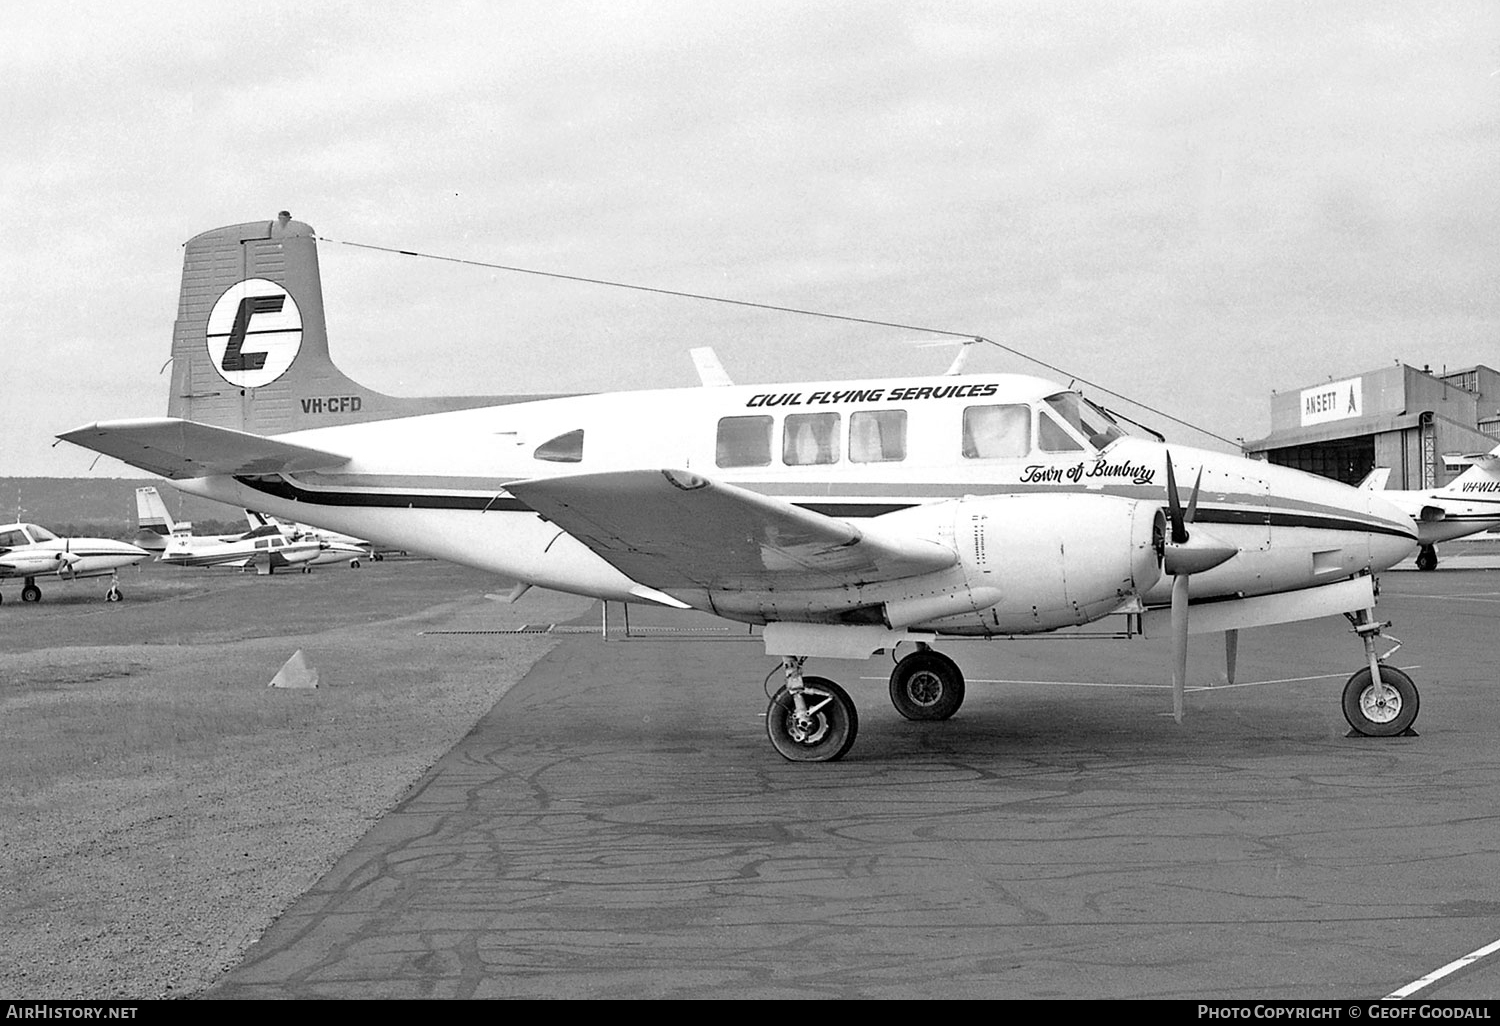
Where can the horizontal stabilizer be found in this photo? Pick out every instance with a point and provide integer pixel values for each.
(180, 449)
(670, 529)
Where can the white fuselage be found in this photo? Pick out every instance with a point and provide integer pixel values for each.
(29, 551)
(436, 484)
(1447, 513)
(271, 550)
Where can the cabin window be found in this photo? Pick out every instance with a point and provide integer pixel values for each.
(12, 539)
(565, 448)
(810, 438)
(991, 432)
(744, 442)
(264, 543)
(877, 436)
(1051, 437)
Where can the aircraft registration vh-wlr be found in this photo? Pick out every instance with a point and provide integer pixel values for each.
(846, 517)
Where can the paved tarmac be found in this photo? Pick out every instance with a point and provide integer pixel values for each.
(618, 826)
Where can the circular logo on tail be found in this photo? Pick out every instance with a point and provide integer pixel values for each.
(254, 332)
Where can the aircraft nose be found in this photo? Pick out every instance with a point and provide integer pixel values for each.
(1396, 539)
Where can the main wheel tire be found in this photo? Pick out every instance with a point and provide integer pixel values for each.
(1381, 713)
(927, 685)
(31, 593)
(829, 731)
(1427, 558)
(113, 595)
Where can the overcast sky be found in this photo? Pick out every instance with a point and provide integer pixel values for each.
(1190, 203)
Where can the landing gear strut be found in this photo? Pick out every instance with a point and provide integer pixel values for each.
(927, 685)
(1379, 700)
(810, 719)
(1427, 558)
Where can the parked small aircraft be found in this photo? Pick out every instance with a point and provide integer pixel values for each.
(336, 547)
(846, 517)
(266, 548)
(30, 551)
(1468, 504)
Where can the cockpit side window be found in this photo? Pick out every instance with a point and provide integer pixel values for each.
(565, 448)
(1085, 418)
(1051, 437)
(992, 432)
(744, 442)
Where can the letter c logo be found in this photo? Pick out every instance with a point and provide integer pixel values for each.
(254, 333)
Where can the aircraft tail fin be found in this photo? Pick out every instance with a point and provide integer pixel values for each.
(151, 512)
(1483, 474)
(250, 345)
(152, 521)
(1375, 480)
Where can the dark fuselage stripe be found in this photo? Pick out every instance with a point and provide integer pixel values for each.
(284, 489)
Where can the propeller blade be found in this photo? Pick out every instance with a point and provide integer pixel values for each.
(1179, 642)
(1174, 506)
(1192, 509)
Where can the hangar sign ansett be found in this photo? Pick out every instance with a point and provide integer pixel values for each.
(1336, 400)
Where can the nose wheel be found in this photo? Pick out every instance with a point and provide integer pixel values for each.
(1384, 709)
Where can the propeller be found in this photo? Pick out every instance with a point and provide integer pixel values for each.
(1184, 553)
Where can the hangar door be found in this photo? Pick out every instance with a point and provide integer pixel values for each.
(1343, 459)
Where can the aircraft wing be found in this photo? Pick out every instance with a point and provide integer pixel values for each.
(673, 529)
(179, 449)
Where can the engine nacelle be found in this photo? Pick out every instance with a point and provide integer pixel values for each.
(35, 562)
(1037, 562)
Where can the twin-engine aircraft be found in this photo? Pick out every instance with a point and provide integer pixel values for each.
(1468, 504)
(846, 517)
(30, 551)
(265, 549)
(335, 547)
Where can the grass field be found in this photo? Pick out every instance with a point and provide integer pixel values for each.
(160, 805)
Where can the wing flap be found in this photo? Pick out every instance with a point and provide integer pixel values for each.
(672, 529)
(179, 449)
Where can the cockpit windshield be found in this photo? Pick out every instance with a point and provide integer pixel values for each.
(39, 534)
(1084, 417)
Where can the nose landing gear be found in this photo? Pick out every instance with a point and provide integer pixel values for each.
(1379, 700)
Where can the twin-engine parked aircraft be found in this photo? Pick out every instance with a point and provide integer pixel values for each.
(266, 549)
(1468, 504)
(336, 547)
(847, 517)
(29, 551)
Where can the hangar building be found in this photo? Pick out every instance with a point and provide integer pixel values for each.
(1416, 422)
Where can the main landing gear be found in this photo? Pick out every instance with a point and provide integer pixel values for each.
(927, 685)
(1379, 700)
(1427, 558)
(812, 719)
